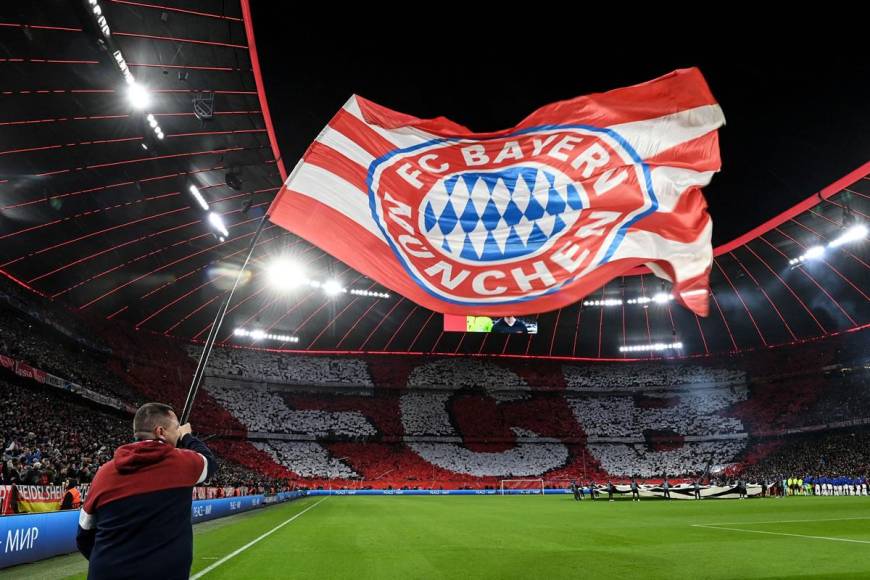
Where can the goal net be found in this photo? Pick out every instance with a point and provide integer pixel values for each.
(522, 486)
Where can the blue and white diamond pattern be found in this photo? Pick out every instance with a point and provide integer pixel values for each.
(490, 216)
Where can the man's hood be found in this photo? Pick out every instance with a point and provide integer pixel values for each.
(133, 457)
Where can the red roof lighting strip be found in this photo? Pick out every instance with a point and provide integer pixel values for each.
(90, 213)
(842, 249)
(141, 238)
(179, 10)
(261, 92)
(845, 278)
(576, 331)
(556, 328)
(727, 327)
(182, 259)
(43, 199)
(177, 324)
(381, 321)
(760, 287)
(813, 280)
(181, 40)
(402, 325)
(201, 267)
(48, 61)
(92, 234)
(360, 319)
(111, 249)
(343, 310)
(143, 159)
(416, 338)
(743, 302)
(784, 283)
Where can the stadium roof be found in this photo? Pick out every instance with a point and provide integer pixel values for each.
(96, 209)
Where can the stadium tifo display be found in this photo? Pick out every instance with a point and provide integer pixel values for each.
(336, 421)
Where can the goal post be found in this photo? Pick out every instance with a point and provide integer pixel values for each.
(521, 487)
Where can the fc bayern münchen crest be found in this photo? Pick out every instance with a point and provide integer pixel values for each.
(507, 219)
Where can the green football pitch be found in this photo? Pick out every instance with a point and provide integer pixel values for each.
(528, 537)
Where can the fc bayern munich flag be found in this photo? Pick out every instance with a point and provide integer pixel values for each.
(519, 221)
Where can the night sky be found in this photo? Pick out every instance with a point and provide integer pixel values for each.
(795, 123)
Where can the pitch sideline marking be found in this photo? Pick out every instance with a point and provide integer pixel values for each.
(720, 527)
(781, 521)
(231, 555)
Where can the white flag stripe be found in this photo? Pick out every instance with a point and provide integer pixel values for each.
(336, 193)
(688, 260)
(669, 183)
(400, 137)
(658, 271)
(652, 136)
(338, 141)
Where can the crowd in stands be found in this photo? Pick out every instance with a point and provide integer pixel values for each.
(524, 459)
(263, 366)
(691, 413)
(307, 459)
(44, 347)
(643, 376)
(691, 458)
(826, 454)
(456, 373)
(49, 438)
(262, 410)
(463, 373)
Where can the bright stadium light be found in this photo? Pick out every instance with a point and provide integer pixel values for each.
(333, 287)
(662, 298)
(853, 234)
(138, 96)
(815, 253)
(284, 274)
(368, 293)
(605, 302)
(655, 347)
(217, 223)
(197, 195)
(263, 335)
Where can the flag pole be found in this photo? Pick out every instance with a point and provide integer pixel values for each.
(215, 327)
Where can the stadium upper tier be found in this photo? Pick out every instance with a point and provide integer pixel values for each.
(97, 210)
(460, 419)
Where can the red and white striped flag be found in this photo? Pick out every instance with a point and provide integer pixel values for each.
(519, 221)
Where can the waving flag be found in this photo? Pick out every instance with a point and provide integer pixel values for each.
(524, 220)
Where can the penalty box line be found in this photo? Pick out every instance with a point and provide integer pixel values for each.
(231, 555)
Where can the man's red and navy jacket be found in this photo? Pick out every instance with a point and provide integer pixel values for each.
(135, 522)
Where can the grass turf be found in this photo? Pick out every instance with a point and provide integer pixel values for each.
(535, 537)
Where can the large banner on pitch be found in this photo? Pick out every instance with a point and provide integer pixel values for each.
(519, 221)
